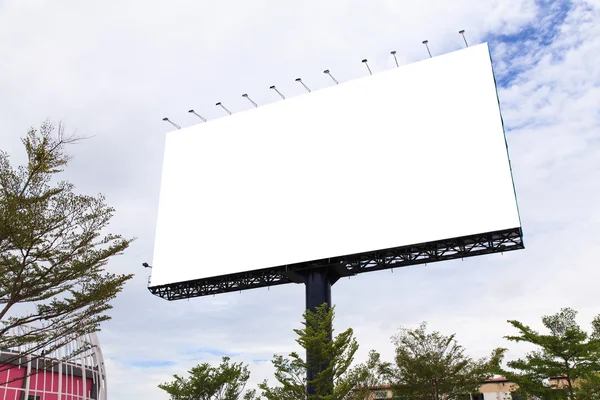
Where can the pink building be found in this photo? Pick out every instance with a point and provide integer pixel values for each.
(73, 372)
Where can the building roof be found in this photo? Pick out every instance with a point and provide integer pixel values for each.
(496, 379)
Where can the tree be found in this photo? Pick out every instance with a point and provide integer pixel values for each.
(567, 352)
(52, 254)
(588, 388)
(330, 359)
(368, 375)
(435, 366)
(225, 382)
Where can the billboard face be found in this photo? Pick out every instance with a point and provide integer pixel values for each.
(409, 155)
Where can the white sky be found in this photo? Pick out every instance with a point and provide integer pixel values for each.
(115, 69)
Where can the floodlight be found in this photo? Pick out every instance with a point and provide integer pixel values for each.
(278, 92)
(393, 52)
(462, 32)
(223, 107)
(251, 101)
(198, 115)
(303, 84)
(331, 76)
(367, 64)
(425, 43)
(171, 122)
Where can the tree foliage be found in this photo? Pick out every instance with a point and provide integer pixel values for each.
(52, 253)
(567, 351)
(588, 388)
(206, 382)
(370, 374)
(331, 360)
(435, 366)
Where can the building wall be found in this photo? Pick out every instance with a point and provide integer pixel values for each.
(77, 357)
(492, 389)
(496, 390)
(497, 396)
(8, 391)
(44, 384)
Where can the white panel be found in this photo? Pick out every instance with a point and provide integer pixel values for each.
(410, 155)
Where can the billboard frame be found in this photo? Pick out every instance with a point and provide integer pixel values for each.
(349, 265)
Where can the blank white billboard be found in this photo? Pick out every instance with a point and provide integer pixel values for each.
(410, 155)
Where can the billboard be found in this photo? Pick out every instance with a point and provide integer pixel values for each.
(409, 155)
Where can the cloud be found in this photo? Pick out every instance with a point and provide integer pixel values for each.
(210, 351)
(151, 364)
(516, 52)
(114, 70)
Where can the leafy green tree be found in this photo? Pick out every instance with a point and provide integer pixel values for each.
(52, 252)
(372, 373)
(435, 366)
(588, 388)
(567, 351)
(331, 360)
(206, 382)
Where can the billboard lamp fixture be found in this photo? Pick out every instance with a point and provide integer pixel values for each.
(251, 101)
(171, 122)
(224, 108)
(462, 33)
(393, 52)
(278, 92)
(367, 64)
(426, 45)
(303, 84)
(331, 76)
(197, 115)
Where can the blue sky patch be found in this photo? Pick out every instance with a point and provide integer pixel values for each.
(528, 43)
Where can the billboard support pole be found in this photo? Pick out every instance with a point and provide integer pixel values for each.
(318, 282)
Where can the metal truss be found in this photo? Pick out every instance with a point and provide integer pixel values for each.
(424, 253)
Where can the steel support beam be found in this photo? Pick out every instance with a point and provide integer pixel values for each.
(423, 253)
